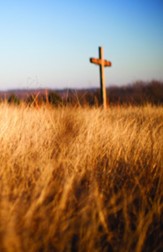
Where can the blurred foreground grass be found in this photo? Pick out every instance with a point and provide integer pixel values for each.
(81, 179)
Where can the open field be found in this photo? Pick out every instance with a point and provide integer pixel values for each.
(81, 179)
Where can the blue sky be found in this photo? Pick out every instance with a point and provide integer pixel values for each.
(45, 43)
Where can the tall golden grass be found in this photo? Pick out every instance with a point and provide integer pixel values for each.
(81, 179)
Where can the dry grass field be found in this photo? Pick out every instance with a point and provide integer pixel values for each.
(81, 179)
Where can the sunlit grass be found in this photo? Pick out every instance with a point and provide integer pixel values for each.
(81, 179)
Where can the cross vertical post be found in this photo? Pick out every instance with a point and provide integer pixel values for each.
(102, 63)
(102, 79)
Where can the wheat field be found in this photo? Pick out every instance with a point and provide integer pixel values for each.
(81, 179)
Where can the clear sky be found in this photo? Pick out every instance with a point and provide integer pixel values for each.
(48, 43)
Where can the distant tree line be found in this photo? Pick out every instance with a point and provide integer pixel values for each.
(139, 93)
(35, 99)
(48, 97)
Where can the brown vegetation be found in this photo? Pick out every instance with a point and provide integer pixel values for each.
(74, 179)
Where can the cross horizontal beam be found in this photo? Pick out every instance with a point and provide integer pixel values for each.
(105, 63)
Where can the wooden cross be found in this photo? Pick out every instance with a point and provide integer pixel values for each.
(102, 63)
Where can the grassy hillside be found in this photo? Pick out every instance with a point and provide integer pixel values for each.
(74, 179)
